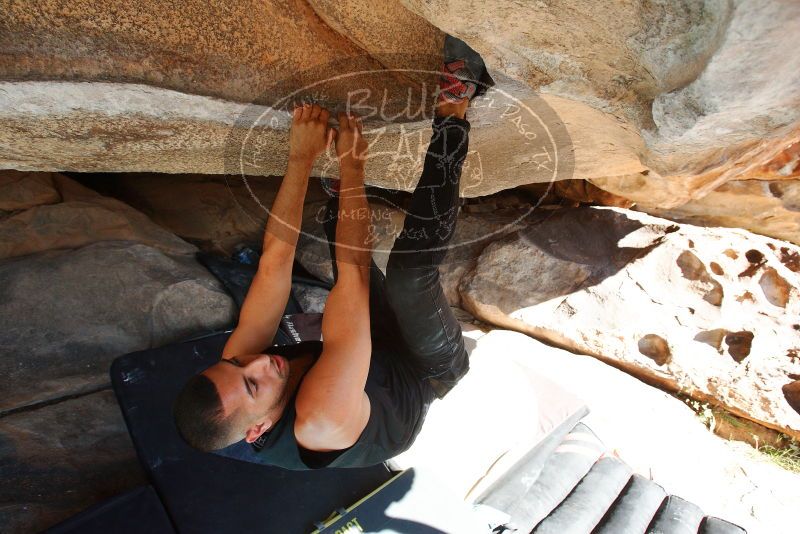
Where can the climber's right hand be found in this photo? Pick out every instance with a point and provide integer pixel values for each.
(351, 147)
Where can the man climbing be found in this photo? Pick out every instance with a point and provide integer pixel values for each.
(391, 345)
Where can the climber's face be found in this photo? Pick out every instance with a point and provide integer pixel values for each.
(253, 389)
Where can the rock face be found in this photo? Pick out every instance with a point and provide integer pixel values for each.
(86, 278)
(680, 109)
(208, 48)
(657, 103)
(67, 314)
(768, 207)
(709, 312)
(215, 213)
(58, 460)
(312, 298)
(139, 128)
(44, 211)
(477, 226)
(676, 71)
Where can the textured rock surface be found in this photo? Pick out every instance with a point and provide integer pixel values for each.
(67, 314)
(44, 211)
(85, 278)
(688, 109)
(594, 54)
(100, 127)
(710, 312)
(664, 101)
(585, 192)
(23, 190)
(312, 298)
(677, 70)
(768, 158)
(57, 460)
(662, 439)
(478, 225)
(210, 48)
(216, 213)
(769, 207)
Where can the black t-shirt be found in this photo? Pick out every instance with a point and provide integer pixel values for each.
(398, 399)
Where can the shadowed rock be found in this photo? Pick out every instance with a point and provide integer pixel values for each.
(693, 269)
(792, 393)
(776, 289)
(87, 278)
(656, 348)
(739, 344)
(58, 460)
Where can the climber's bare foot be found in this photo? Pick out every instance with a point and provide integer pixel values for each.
(445, 108)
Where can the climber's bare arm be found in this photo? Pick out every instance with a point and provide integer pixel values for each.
(266, 299)
(332, 407)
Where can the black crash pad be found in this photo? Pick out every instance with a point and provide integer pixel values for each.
(209, 493)
(136, 511)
